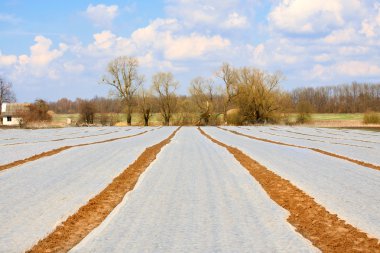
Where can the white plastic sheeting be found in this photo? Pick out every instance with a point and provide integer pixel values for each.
(195, 197)
(38, 196)
(342, 187)
(345, 145)
(11, 153)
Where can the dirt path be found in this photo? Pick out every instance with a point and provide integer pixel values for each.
(59, 150)
(325, 230)
(365, 164)
(88, 217)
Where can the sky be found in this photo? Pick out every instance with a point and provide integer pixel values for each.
(55, 49)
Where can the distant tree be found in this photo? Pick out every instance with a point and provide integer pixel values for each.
(87, 111)
(228, 74)
(304, 110)
(40, 108)
(36, 112)
(165, 86)
(123, 76)
(6, 92)
(145, 104)
(347, 98)
(63, 105)
(258, 94)
(202, 93)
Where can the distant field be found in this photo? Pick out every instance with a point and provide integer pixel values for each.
(332, 116)
(337, 116)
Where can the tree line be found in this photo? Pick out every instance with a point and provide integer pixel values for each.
(348, 98)
(238, 95)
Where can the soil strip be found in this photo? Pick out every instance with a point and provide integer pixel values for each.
(325, 230)
(88, 217)
(364, 164)
(59, 150)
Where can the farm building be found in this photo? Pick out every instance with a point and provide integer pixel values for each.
(11, 113)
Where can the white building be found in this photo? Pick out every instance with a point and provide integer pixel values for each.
(11, 113)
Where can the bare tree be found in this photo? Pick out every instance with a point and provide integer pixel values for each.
(87, 111)
(36, 112)
(228, 74)
(6, 92)
(257, 94)
(165, 86)
(202, 92)
(123, 75)
(145, 103)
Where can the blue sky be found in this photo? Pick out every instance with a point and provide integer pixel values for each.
(53, 49)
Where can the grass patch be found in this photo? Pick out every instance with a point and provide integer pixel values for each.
(371, 118)
(337, 116)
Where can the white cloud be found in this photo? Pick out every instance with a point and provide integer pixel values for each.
(358, 68)
(322, 58)
(235, 20)
(6, 60)
(340, 36)
(371, 25)
(157, 27)
(23, 59)
(210, 14)
(72, 67)
(160, 35)
(350, 68)
(279, 53)
(102, 15)
(319, 72)
(353, 50)
(104, 40)
(37, 63)
(304, 16)
(193, 46)
(40, 53)
(107, 44)
(159, 45)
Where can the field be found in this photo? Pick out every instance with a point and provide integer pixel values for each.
(190, 189)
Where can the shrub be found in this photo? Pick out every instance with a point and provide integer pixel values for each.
(303, 118)
(304, 109)
(234, 117)
(37, 112)
(104, 119)
(87, 112)
(371, 118)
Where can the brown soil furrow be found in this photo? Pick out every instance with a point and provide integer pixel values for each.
(324, 229)
(79, 225)
(62, 139)
(361, 163)
(59, 150)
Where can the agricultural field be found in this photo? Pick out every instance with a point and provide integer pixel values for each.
(190, 189)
